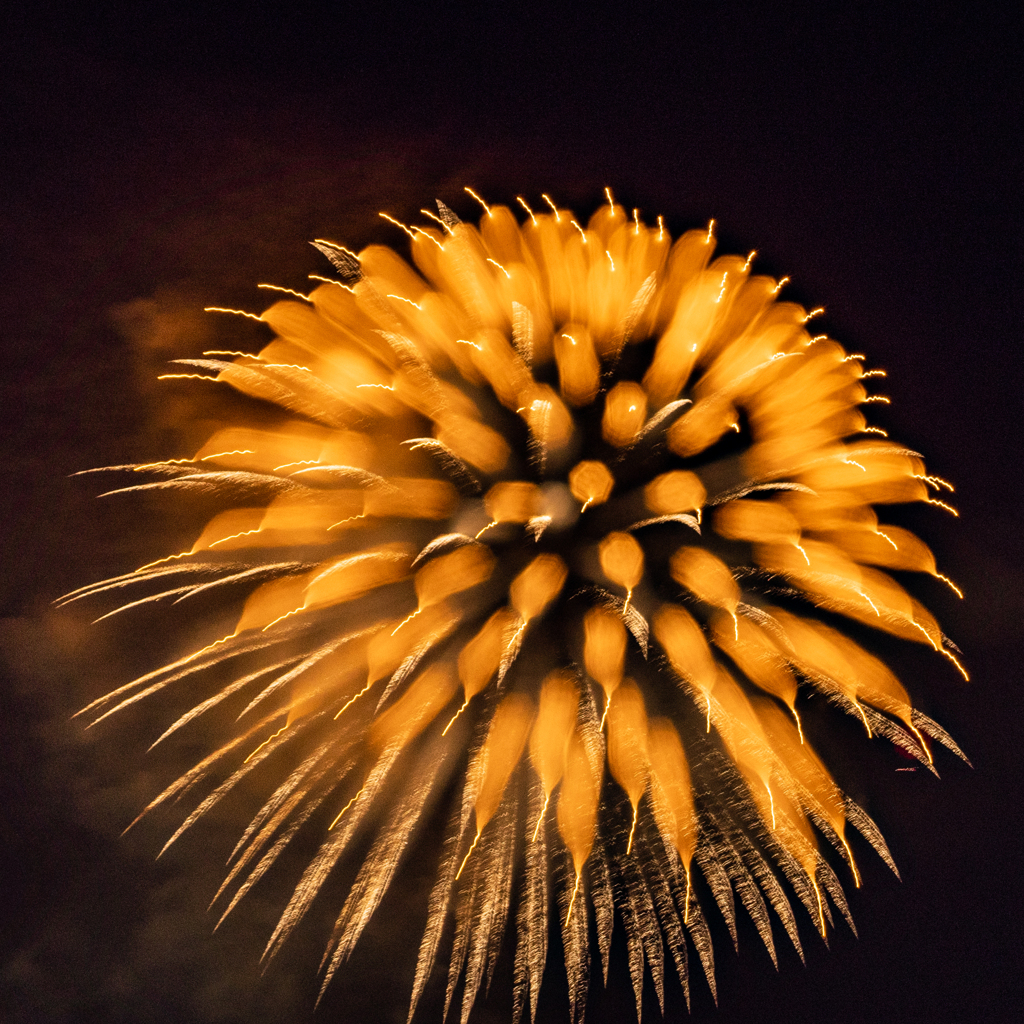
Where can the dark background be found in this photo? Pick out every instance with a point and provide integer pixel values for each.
(160, 158)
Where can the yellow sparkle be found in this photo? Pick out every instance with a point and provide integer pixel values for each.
(269, 739)
(234, 536)
(434, 216)
(345, 808)
(523, 204)
(398, 224)
(572, 900)
(540, 818)
(487, 209)
(287, 291)
(186, 376)
(472, 847)
(402, 298)
(331, 280)
(236, 312)
(221, 455)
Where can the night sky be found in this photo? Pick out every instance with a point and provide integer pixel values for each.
(156, 161)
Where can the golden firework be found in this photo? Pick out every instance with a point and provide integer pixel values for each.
(568, 499)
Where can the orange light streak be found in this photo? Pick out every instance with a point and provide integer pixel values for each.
(540, 818)
(398, 224)
(331, 280)
(265, 742)
(287, 291)
(236, 312)
(345, 808)
(434, 216)
(487, 209)
(522, 203)
(472, 847)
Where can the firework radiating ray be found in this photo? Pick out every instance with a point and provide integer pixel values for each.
(532, 921)
(559, 527)
(380, 865)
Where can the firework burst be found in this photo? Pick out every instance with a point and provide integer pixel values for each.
(572, 517)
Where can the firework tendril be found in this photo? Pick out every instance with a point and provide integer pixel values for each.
(561, 529)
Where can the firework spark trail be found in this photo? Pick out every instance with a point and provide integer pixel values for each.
(381, 863)
(532, 922)
(563, 511)
(309, 805)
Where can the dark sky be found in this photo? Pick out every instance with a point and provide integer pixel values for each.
(156, 161)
